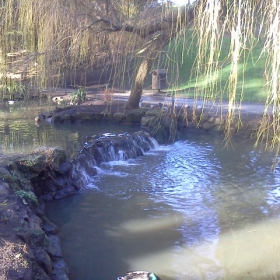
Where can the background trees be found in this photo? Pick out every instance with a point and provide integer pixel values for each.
(59, 37)
(46, 42)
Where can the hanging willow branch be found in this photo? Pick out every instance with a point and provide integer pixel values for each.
(59, 35)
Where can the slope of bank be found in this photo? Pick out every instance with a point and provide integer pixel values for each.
(29, 243)
(29, 246)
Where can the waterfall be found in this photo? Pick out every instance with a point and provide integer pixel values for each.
(109, 147)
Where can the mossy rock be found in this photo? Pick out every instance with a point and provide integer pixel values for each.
(51, 157)
(28, 197)
(149, 121)
(154, 112)
(85, 115)
(6, 176)
(32, 163)
(134, 116)
(57, 119)
(118, 117)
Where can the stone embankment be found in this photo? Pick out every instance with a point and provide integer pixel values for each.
(29, 245)
(30, 248)
(165, 124)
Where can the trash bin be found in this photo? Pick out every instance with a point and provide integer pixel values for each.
(158, 79)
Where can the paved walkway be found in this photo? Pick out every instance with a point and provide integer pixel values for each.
(151, 98)
(219, 107)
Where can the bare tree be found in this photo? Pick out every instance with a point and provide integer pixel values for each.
(64, 34)
(155, 26)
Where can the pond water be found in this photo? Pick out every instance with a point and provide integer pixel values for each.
(20, 134)
(190, 210)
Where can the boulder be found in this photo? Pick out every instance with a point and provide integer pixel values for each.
(52, 246)
(147, 121)
(4, 188)
(118, 117)
(43, 260)
(5, 175)
(49, 227)
(60, 270)
(134, 116)
(85, 115)
(69, 190)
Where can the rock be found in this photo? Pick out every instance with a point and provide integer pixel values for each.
(47, 197)
(60, 270)
(38, 272)
(49, 227)
(218, 121)
(37, 237)
(134, 116)
(24, 234)
(64, 168)
(118, 117)
(98, 116)
(4, 188)
(56, 119)
(154, 112)
(43, 260)
(253, 126)
(5, 175)
(52, 246)
(69, 190)
(35, 223)
(32, 163)
(22, 273)
(207, 125)
(148, 120)
(58, 156)
(88, 115)
(10, 215)
(28, 197)
(203, 117)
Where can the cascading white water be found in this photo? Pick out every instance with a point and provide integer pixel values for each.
(107, 148)
(190, 210)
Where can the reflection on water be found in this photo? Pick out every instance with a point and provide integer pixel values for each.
(19, 133)
(190, 210)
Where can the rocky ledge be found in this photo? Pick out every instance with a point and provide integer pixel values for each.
(163, 123)
(29, 246)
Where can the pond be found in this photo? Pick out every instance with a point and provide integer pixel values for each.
(190, 210)
(20, 134)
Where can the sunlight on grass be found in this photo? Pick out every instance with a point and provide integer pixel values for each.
(250, 86)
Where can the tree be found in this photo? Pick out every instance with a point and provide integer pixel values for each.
(58, 35)
(61, 35)
(153, 26)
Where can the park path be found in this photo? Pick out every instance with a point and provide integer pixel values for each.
(210, 106)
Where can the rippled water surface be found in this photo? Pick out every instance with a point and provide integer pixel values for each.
(191, 210)
(20, 134)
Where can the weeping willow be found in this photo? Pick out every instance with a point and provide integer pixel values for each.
(44, 41)
(41, 40)
(245, 23)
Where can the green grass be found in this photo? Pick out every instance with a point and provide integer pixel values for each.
(251, 84)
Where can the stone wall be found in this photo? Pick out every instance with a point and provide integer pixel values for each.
(165, 124)
(30, 248)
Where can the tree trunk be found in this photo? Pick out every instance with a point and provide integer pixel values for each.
(137, 88)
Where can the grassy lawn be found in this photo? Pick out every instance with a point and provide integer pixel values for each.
(250, 87)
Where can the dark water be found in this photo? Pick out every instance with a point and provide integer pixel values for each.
(20, 134)
(191, 210)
